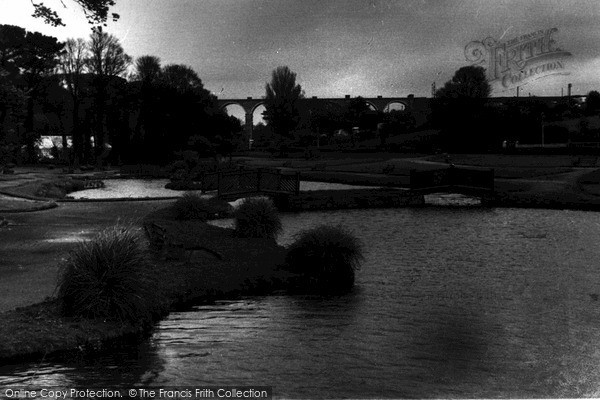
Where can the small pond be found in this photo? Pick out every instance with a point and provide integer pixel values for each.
(140, 188)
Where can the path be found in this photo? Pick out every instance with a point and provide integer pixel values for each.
(33, 244)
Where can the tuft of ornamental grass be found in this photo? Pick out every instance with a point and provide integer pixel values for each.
(193, 206)
(108, 278)
(257, 217)
(326, 257)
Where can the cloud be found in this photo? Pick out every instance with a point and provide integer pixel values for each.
(385, 47)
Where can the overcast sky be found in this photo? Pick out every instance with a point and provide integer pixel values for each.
(355, 47)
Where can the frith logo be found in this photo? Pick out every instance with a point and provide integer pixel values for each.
(519, 60)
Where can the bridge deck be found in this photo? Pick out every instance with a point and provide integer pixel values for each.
(469, 181)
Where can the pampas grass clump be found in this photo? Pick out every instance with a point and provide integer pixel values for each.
(257, 217)
(326, 257)
(107, 277)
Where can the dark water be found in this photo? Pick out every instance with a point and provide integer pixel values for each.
(450, 302)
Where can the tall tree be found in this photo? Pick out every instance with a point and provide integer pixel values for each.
(467, 82)
(186, 107)
(39, 59)
(459, 110)
(12, 96)
(71, 68)
(147, 69)
(148, 75)
(182, 78)
(107, 60)
(281, 101)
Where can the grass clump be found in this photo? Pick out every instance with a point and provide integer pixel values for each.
(108, 277)
(193, 206)
(326, 257)
(257, 217)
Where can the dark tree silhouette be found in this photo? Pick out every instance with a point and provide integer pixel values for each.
(107, 61)
(12, 96)
(281, 101)
(26, 61)
(592, 102)
(38, 62)
(467, 82)
(183, 110)
(96, 11)
(147, 70)
(182, 78)
(72, 67)
(148, 75)
(459, 108)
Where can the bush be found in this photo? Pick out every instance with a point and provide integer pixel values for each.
(193, 206)
(257, 217)
(108, 278)
(326, 257)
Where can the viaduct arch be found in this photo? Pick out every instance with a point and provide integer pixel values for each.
(418, 105)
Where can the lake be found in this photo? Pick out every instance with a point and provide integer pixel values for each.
(449, 302)
(141, 188)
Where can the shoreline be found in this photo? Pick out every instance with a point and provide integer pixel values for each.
(45, 334)
(192, 280)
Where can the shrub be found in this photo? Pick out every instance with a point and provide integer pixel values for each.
(107, 277)
(257, 217)
(326, 257)
(194, 206)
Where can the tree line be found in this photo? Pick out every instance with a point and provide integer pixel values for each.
(470, 121)
(114, 109)
(119, 110)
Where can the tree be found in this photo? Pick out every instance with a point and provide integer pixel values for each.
(459, 109)
(147, 75)
(147, 70)
(281, 102)
(38, 61)
(592, 102)
(182, 78)
(26, 62)
(96, 11)
(12, 96)
(107, 61)
(71, 67)
(468, 82)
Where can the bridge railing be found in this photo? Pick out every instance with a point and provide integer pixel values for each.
(453, 178)
(252, 181)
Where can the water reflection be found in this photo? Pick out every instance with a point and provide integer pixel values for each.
(449, 303)
(131, 366)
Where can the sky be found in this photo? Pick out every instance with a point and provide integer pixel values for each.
(337, 47)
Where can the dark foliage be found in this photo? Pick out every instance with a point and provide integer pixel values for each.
(281, 101)
(194, 206)
(96, 11)
(326, 257)
(108, 278)
(257, 217)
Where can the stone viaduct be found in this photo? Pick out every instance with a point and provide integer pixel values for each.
(420, 106)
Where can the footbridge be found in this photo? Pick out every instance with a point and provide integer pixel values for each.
(250, 182)
(476, 182)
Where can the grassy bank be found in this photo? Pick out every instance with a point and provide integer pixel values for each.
(208, 263)
(47, 188)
